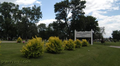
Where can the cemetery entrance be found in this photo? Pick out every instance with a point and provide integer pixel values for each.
(84, 35)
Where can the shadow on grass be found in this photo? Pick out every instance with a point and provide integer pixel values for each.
(23, 57)
(62, 52)
(1, 64)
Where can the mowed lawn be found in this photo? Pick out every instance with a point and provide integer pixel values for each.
(95, 55)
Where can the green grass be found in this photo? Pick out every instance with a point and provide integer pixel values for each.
(96, 55)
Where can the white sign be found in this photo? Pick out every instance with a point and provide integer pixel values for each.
(84, 34)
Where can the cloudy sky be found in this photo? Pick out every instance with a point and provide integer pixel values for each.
(107, 12)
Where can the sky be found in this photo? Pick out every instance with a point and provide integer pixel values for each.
(107, 12)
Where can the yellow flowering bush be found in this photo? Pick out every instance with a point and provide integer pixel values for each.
(69, 45)
(54, 45)
(0, 46)
(19, 40)
(78, 43)
(34, 48)
(85, 42)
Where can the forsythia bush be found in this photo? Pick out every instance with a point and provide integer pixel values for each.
(85, 42)
(0, 46)
(54, 45)
(69, 45)
(19, 40)
(34, 48)
(78, 43)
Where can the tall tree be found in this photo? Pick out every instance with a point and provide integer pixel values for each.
(7, 21)
(29, 16)
(63, 10)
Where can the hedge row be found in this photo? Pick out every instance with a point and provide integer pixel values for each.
(0, 46)
(35, 47)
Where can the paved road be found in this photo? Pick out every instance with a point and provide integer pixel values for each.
(8, 42)
(115, 46)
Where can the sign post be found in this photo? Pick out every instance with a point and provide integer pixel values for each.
(91, 37)
(84, 34)
(75, 35)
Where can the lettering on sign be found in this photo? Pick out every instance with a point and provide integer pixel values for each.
(83, 34)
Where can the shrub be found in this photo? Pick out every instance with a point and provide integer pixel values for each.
(0, 46)
(54, 45)
(78, 43)
(34, 48)
(85, 42)
(102, 41)
(19, 40)
(69, 45)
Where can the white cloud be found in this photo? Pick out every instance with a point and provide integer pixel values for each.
(96, 5)
(38, 2)
(47, 21)
(97, 8)
(27, 2)
(7, 0)
(23, 2)
(110, 23)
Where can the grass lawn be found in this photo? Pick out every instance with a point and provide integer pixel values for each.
(96, 55)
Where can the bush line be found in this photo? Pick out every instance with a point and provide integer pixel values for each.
(35, 47)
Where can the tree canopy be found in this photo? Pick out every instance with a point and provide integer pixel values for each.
(15, 22)
(63, 10)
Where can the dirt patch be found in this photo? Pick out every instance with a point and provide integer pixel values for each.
(115, 46)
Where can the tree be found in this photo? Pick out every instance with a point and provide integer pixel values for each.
(42, 27)
(32, 30)
(50, 30)
(7, 19)
(64, 8)
(15, 22)
(91, 23)
(116, 35)
(58, 28)
(42, 31)
(85, 23)
(29, 16)
(79, 24)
